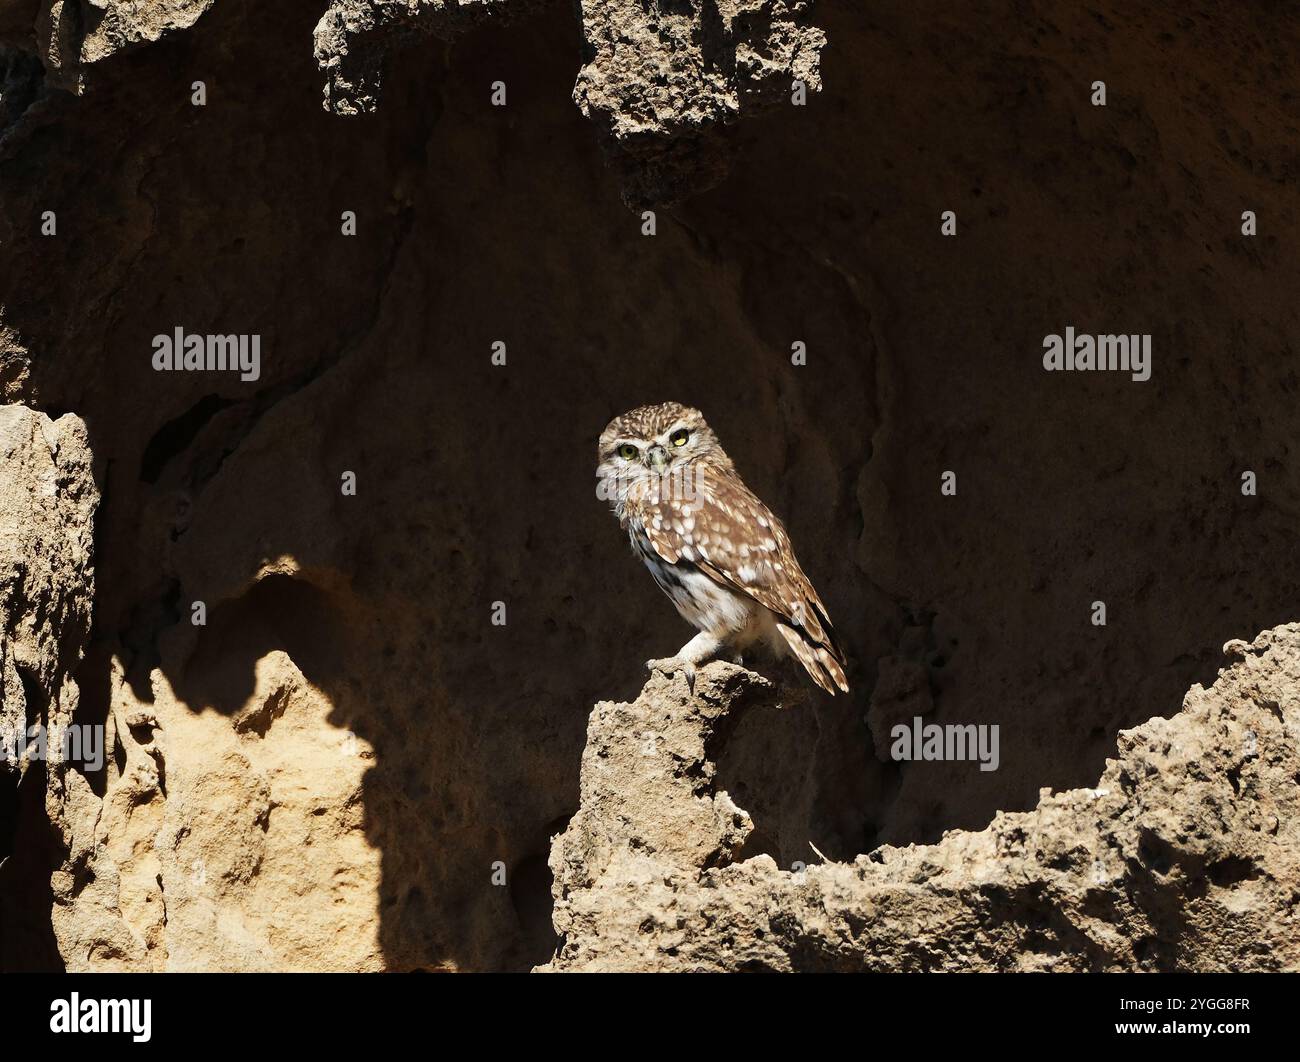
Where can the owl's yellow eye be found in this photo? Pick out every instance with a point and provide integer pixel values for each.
(627, 452)
(679, 437)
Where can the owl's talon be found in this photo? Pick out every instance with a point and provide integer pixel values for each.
(671, 665)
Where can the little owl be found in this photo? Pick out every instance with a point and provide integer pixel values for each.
(711, 545)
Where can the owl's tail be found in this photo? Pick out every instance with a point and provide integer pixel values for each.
(820, 663)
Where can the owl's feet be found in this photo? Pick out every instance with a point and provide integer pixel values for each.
(699, 650)
(670, 665)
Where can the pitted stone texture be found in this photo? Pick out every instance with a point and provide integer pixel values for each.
(47, 499)
(660, 79)
(1185, 856)
(353, 37)
(72, 35)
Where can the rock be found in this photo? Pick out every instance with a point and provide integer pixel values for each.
(477, 225)
(661, 82)
(48, 499)
(250, 854)
(901, 694)
(1184, 856)
(47, 577)
(70, 36)
(353, 38)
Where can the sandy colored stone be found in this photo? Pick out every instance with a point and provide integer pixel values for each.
(47, 501)
(475, 482)
(222, 843)
(660, 82)
(70, 36)
(1184, 856)
(663, 82)
(353, 39)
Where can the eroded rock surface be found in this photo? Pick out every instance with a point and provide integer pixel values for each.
(660, 80)
(48, 498)
(47, 501)
(70, 36)
(354, 38)
(370, 615)
(250, 854)
(1184, 856)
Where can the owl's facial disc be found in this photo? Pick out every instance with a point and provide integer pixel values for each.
(665, 449)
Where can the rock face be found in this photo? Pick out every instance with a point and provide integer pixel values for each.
(350, 764)
(70, 36)
(1184, 856)
(192, 862)
(661, 81)
(47, 577)
(354, 37)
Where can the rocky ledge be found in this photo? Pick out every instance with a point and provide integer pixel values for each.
(1184, 856)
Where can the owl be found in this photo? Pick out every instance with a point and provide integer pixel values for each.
(711, 545)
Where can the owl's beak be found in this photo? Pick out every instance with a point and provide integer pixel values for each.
(658, 458)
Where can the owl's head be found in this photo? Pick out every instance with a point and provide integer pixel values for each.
(655, 441)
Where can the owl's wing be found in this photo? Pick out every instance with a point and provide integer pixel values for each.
(724, 530)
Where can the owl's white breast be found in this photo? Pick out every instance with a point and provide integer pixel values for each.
(705, 604)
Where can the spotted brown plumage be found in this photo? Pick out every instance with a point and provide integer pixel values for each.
(714, 548)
